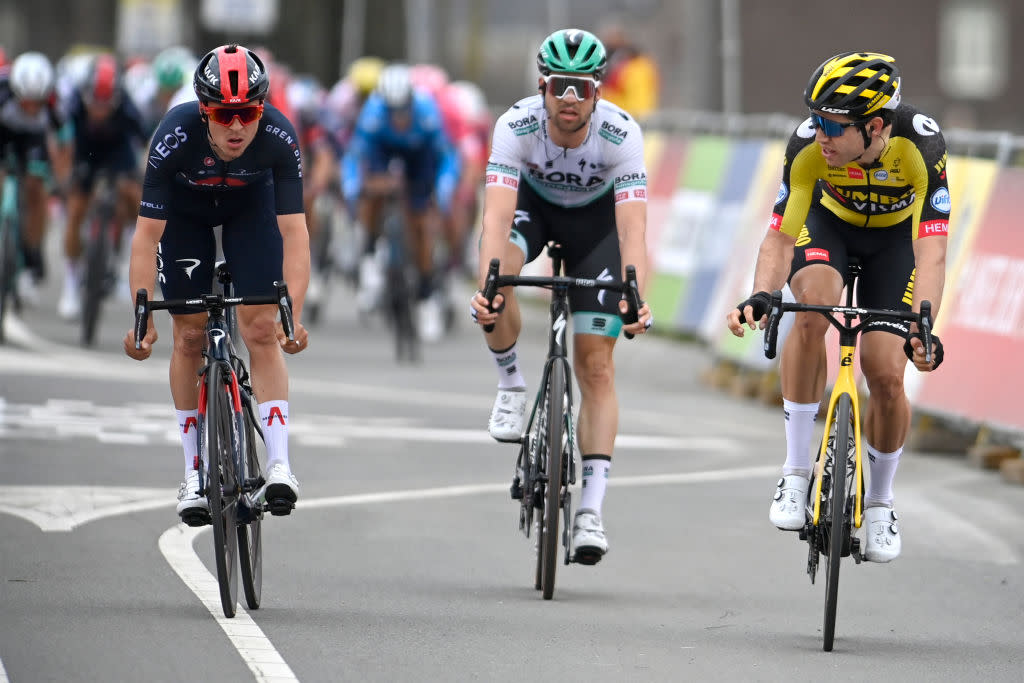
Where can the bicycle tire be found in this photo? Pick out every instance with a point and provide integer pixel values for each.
(220, 478)
(836, 516)
(554, 468)
(97, 260)
(8, 266)
(250, 530)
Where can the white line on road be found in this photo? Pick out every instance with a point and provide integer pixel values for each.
(252, 644)
(3, 673)
(249, 640)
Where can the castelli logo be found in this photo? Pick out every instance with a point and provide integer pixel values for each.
(209, 161)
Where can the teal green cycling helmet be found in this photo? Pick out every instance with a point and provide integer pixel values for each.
(573, 51)
(173, 67)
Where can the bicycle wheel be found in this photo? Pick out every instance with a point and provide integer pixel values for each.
(250, 533)
(8, 265)
(554, 468)
(836, 515)
(221, 488)
(97, 262)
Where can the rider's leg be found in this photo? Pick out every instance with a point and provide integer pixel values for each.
(509, 409)
(258, 325)
(188, 332)
(598, 422)
(70, 304)
(887, 414)
(35, 196)
(804, 367)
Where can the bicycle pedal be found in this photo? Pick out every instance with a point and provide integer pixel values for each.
(196, 517)
(280, 506)
(516, 490)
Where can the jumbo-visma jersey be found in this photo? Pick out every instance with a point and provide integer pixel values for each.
(908, 180)
(610, 158)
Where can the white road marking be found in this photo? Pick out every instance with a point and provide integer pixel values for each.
(3, 673)
(62, 508)
(256, 649)
(252, 644)
(955, 536)
(141, 424)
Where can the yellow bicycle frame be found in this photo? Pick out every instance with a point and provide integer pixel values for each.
(845, 384)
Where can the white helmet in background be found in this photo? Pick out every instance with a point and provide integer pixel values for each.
(31, 76)
(395, 86)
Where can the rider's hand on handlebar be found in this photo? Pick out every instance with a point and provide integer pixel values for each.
(914, 348)
(753, 312)
(644, 318)
(147, 343)
(482, 314)
(301, 342)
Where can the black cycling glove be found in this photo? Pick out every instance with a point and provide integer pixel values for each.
(937, 354)
(760, 302)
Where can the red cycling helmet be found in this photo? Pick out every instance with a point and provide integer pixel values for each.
(102, 85)
(230, 74)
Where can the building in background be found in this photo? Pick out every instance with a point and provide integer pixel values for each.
(744, 56)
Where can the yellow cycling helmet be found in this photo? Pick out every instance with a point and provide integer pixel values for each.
(364, 73)
(856, 84)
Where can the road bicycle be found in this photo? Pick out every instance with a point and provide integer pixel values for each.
(545, 467)
(835, 497)
(101, 237)
(400, 280)
(230, 471)
(10, 236)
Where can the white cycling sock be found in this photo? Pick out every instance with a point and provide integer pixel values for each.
(188, 430)
(509, 376)
(274, 419)
(882, 468)
(595, 480)
(800, 419)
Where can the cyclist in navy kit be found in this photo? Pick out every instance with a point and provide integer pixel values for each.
(108, 134)
(229, 159)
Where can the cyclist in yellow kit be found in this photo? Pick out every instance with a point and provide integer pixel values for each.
(871, 186)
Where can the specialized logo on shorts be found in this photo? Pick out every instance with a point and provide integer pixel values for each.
(521, 215)
(940, 200)
(605, 276)
(816, 254)
(783, 193)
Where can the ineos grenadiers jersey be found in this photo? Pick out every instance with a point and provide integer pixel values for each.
(181, 164)
(908, 180)
(610, 158)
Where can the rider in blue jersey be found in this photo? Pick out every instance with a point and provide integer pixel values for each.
(400, 123)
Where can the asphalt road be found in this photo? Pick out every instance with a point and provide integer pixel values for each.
(403, 560)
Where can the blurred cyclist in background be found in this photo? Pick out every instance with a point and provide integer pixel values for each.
(172, 72)
(468, 122)
(108, 135)
(400, 123)
(29, 119)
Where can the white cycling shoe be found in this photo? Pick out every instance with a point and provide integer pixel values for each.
(193, 509)
(281, 490)
(588, 540)
(882, 534)
(789, 502)
(508, 415)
